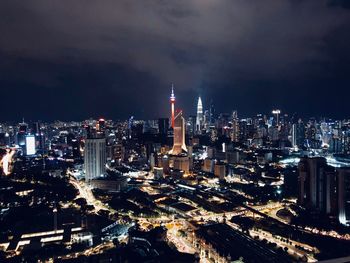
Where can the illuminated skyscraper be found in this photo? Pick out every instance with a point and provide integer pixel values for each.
(298, 134)
(277, 114)
(30, 145)
(317, 184)
(94, 158)
(206, 120)
(21, 135)
(235, 127)
(172, 102)
(212, 113)
(179, 145)
(344, 195)
(191, 125)
(101, 126)
(199, 120)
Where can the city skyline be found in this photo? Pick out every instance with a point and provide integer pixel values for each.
(189, 131)
(220, 178)
(294, 54)
(192, 112)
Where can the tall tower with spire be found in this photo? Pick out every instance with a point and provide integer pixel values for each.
(172, 102)
(179, 145)
(199, 119)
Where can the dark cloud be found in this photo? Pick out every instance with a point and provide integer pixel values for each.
(341, 3)
(75, 59)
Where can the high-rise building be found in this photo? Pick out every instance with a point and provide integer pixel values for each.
(223, 123)
(130, 125)
(235, 127)
(273, 132)
(30, 145)
(39, 135)
(172, 102)
(206, 120)
(298, 134)
(212, 113)
(76, 148)
(191, 125)
(101, 127)
(277, 113)
(136, 129)
(311, 131)
(163, 126)
(199, 119)
(94, 158)
(335, 146)
(179, 161)
(208, 165)
(317, 185)
(23, 127)
(220, 170)
(344, 195)
(179, 145)
(21, 135)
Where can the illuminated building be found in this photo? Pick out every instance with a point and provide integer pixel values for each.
(220, 170)
(212, 113)
(113, 183)
(179, 145)
(233, 157)
(136, 130)
(21, 135)
(210, 152)
(130, 125)
(213, 133)
(118, 152)
(180, 163)
(298, 134)
(39, 136)
(62, 236)
(164, 163)
(335, 146)
(344, 195)
(317, 185)
(4, 139)
(206, 120)
(172, 102)
(235, 127)
(208, 165)
(22, 127)
(101, 126)
(158, 172)
(273, 132)
(191, 125)
(30, 145)
(179, 159)
(94, 158)
(199, 119)
(75, 145)
(152, 160)
(277, 114)
(7, 160)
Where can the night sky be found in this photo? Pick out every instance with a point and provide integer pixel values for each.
(79, 59)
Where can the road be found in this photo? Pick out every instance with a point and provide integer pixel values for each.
(181, 242)
(86, 193)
